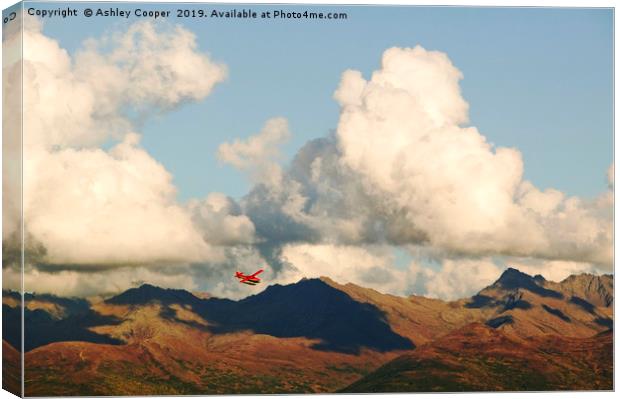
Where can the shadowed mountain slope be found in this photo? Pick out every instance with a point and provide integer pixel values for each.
(418, 318)
(517, 303)
(41, 328)
(309, 308)
(147, 293)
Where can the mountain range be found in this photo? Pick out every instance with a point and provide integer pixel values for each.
(520, 333)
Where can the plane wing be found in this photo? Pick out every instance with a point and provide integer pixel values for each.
(257, 273)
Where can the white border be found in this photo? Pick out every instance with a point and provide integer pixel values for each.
(484, 3)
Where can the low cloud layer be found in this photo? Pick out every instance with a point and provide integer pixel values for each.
(553, 270)
(119, 204)
(460, 278)
(365, 266)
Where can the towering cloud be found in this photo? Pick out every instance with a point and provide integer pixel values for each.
(403, 168)
(403, 133)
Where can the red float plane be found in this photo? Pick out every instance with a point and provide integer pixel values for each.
(249, 280)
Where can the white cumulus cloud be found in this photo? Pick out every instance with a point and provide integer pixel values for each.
(95, 207)
(92, 206)
(461, 278)
(220, 220)
(402, 132)
(371, 267)
(553, 270)
(258, 153)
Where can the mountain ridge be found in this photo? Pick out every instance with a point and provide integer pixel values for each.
(508, 276)
(315, 335)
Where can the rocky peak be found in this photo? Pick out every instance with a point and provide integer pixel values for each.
(513, 279)
(148, 293)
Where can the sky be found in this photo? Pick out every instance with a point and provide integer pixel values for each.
(536, 79)
(432, 147)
